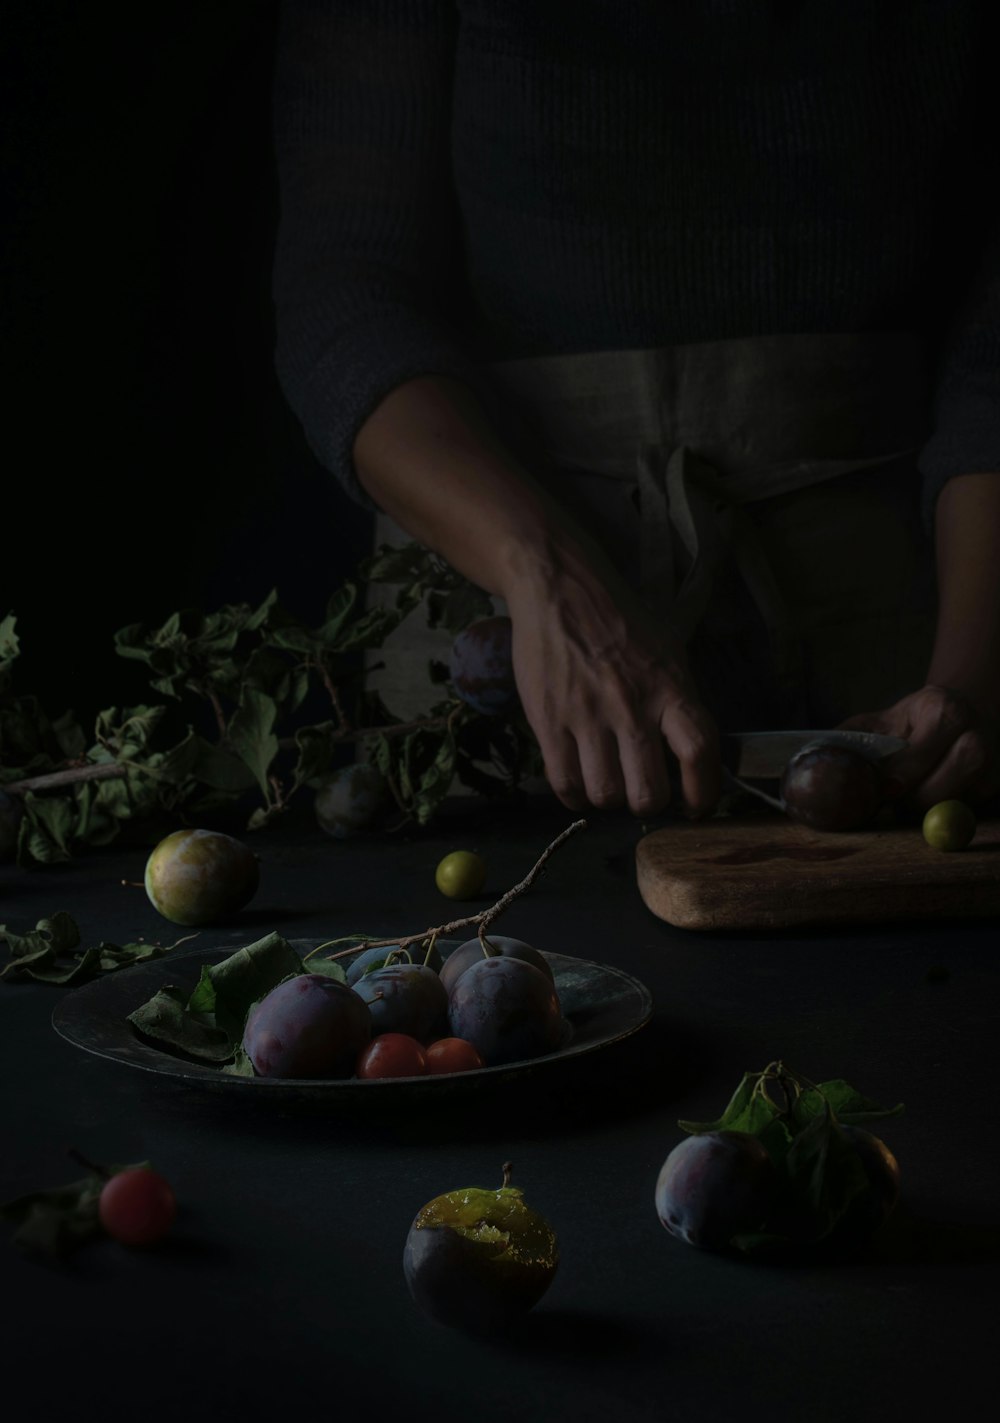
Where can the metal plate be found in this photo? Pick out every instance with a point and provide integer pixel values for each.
(601, 1005)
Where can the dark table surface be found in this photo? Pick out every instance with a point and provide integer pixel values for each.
(280, 1294)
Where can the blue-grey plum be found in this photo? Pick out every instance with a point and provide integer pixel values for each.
(350, 800)
(507, 1009)
(476, 1260)
(11, 814)
(405, 998)
(370, 959)
(472, 952)
(309, 1026)
(714, 1186)
(481, 666)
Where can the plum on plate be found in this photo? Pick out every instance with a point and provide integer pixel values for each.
(308, 1026)
(507, 1009)
(472, 952)
(405, 998)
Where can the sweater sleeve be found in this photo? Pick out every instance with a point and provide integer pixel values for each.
(368, 255)
(965, 437)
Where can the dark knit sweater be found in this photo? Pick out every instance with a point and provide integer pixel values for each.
(468, 180)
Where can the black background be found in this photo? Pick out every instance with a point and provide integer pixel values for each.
(150, 460)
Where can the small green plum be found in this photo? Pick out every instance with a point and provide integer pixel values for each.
(949, 825)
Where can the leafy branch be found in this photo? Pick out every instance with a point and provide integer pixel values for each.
(254, 673)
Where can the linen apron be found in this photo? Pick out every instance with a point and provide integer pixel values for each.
(761, 495)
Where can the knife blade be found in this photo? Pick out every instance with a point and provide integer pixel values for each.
(763, 755)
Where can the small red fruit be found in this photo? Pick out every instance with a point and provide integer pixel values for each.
(137, 1206)
(392, 1055)
(453, 1055)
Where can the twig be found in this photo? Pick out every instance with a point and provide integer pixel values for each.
(480, 920)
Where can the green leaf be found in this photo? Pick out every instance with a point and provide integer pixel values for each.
(164, 1019)
(221, 770)
(737, 1109)
(251, 734)
(330, 968)
(10, 647)
(202, 998)
(338, 609)
(241, 1066)
(850, 1106)
(247, 975)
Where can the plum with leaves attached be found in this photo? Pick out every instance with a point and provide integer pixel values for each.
(199, 876)
(477, 1260)
(714, 1186)
(308, 1026)
(870, 1210)
(832, 787)
(405, 998)
(350, 800)
(370, 959)
(472, 952)
(481, 666)
(507, 1009)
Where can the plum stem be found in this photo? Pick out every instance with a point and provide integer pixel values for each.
(89, 1165)
(478, 921)
(508, 1171)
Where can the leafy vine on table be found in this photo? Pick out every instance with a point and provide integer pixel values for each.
(253, 670)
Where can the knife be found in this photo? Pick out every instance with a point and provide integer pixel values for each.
(763, 755)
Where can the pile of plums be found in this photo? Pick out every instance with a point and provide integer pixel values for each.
(718, 1185)
(395, 1018)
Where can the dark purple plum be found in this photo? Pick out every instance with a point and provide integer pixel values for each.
(870, 1210)
(472, 951)
(507, 1009)
(714, 1186)
(370, 959)
(309, 1026)
(482, 667)
(350, 800)
(477, 1260)
(405, 998)
(831, 787)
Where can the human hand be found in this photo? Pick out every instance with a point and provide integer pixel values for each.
(606, 693)
(954, 750)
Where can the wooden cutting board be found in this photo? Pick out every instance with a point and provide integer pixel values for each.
(767, 872)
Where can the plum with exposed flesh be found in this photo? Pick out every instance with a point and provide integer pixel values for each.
(477, 1260)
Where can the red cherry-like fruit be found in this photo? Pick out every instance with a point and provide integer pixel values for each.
(392, 1055)
(453, 1055)
(136, 1207)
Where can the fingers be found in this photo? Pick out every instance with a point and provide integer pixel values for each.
(964, 773)
(937, 720)
(694, 739)
(628, 767)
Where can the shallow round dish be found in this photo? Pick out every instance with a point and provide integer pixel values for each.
(600, 1004)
